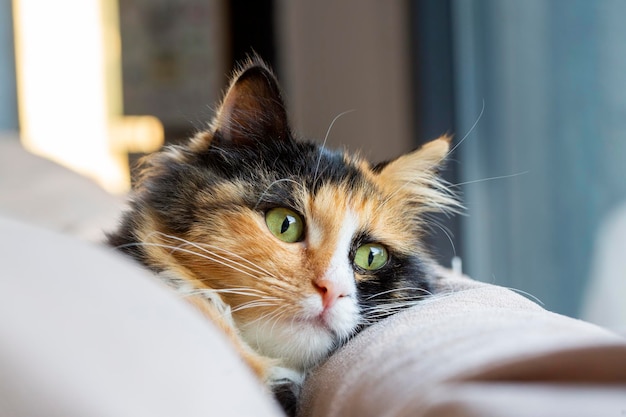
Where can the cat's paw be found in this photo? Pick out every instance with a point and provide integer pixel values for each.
(285, 384)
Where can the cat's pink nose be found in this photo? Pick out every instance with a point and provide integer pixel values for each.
(330, 291)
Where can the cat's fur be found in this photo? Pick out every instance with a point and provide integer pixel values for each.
(197, 219)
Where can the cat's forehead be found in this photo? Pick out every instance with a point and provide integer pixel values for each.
(333, 182)
(358, 209)
(306, 177)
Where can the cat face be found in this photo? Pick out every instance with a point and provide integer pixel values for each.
(304, 244)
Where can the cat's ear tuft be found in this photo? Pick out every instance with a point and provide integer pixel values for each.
(253, 110)
(415, 176)
(426, 160)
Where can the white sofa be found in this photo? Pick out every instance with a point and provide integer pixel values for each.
(84, 332)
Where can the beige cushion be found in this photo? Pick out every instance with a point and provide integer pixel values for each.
(86, 333)
(479, 351)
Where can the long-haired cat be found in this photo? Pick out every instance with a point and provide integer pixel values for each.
(288, 247)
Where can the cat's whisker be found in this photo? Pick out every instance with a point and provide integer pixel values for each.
(392, 306)
(373, 314)
(267, 315)
(273, 318)
(434, 223)
(284, 287)
(252, 304)
(208, 292)
(253, 292)
(253, 265)
(395, 301)
(375, 317)
(276, 318)
(253, 268)
(499, 177)
(444, 294)
(200, 255)
(250, 265)
(527, 294)
(257, 297)
(403, 289)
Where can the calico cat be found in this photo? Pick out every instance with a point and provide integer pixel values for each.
(288, 247)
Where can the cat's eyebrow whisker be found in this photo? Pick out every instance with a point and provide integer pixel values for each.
(469, 132)
(319, 157)
(270, 186)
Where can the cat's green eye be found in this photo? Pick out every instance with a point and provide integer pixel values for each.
(371, 256)
(285, 224)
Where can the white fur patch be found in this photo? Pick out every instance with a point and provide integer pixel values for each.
(340, 270)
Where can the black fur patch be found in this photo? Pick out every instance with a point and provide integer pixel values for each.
(403, 280)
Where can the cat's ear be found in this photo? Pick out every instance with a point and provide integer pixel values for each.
(416, 171)
(414, 176)
(253, 110)
(424, 161)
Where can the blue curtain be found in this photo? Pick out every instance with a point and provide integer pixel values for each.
(8, 100)
(552, 77)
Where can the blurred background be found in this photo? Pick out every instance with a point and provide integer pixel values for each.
(534, 92)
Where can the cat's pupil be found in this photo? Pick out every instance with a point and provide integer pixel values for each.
(370, 258)
(286, 223)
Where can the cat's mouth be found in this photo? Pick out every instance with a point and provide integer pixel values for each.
(321, 321)
(340, 320)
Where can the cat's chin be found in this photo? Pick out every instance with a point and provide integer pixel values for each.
(299, 343)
